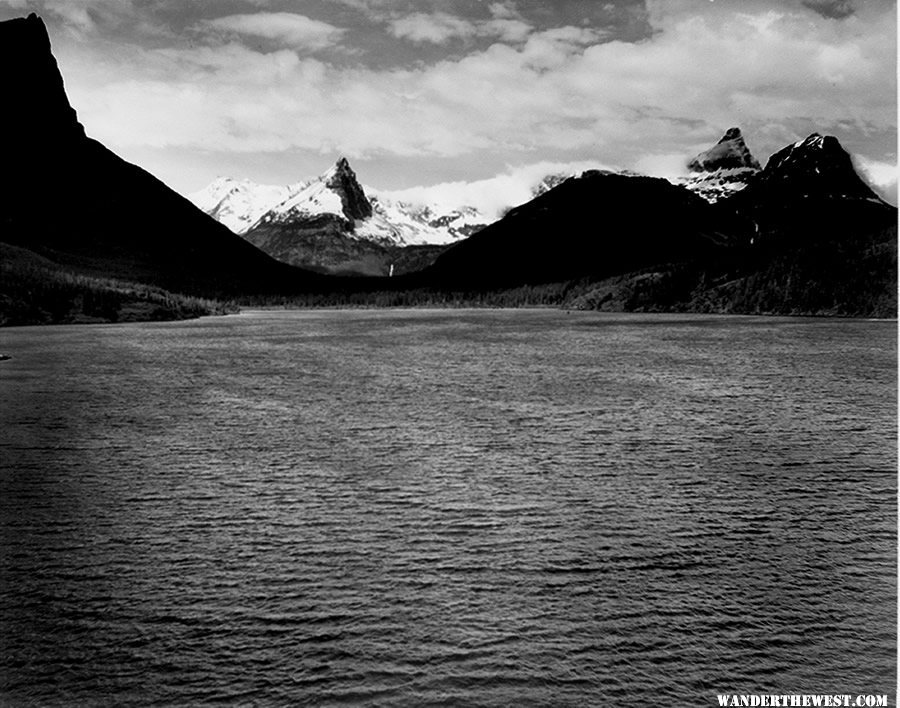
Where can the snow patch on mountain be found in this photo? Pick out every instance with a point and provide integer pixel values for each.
(239, 203)
(722, 170)
(312, 199)
(435, 215)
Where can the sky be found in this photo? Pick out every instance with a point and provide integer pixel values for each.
(450, 92)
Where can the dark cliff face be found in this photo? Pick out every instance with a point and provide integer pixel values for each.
(37, 112)
(343, 181)
(108, 217)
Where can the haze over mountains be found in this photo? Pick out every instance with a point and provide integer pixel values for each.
(803, 235)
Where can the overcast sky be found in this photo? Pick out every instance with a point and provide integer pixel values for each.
(427, 91)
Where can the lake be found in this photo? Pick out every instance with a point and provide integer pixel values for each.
(477, 508)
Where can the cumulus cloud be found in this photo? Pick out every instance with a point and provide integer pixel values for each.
(775, 70)
(286, 28)
(882, 176)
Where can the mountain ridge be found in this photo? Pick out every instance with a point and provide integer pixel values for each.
(804, 234)
(242, 204)
(96, 225)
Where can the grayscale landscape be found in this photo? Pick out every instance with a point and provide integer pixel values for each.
(378, 352)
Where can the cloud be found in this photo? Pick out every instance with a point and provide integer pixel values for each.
(286, 28)
(438, 27)
(667, 165)
(80, 17)
(496, 194)
(567, 91)
(441, 27)
(882, 176)
(836, 9)
(504, 10)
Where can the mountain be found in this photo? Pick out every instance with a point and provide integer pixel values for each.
(86, 235)
(809, 192)
(805, 235)
(329, 224)
(430, 222)
(815, 168)
(595, 225)
(333, 224)
(238, 204)
(395, 221)
(723, 170)
(111, 218)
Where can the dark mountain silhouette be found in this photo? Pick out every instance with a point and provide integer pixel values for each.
(71, 200)
(805, 236)
(809, 193)
(595, 225)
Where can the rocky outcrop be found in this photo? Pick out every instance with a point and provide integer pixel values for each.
(68, 198)
(342, 180)
(730, 153)
(37, 115)
(726, 168)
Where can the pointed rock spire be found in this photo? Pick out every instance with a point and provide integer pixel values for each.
(731, 152)
(37, 111)
(727, 167)
(342, 179)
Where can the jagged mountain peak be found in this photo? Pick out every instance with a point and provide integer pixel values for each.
(731, 152)
(342, 179)
(342, 165)
(722, 170)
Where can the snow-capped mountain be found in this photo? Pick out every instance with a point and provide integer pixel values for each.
(239, 203)
(338, 198)
(726, 168)
(336, 193)
(428, 223)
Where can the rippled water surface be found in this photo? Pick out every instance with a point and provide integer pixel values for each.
(461, 508)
